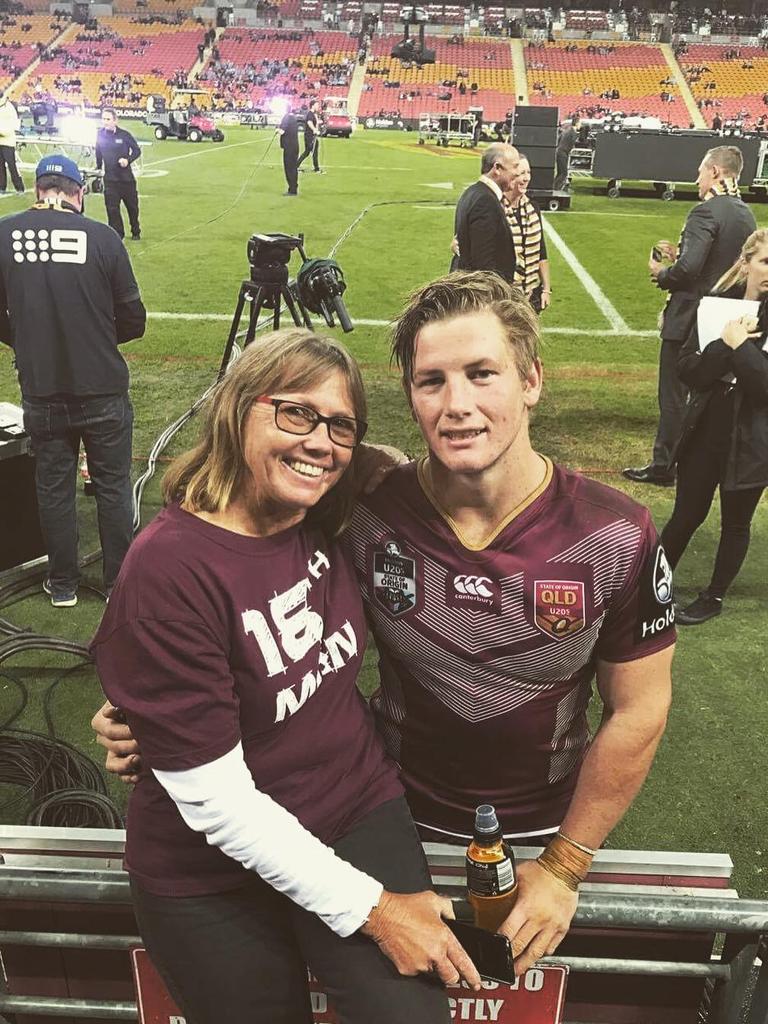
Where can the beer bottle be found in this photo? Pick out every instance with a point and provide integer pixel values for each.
(491, 875)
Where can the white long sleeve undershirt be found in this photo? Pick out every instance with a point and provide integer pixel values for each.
(221, 800)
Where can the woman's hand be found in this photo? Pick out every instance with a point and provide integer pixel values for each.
(410, 930)
(736, 332)
(123, 757)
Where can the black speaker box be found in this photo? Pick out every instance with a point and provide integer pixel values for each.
(537, 116)
(533, 135)
(538, 156)
(20, 537)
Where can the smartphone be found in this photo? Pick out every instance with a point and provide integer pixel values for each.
(657, 254)
(491, 953)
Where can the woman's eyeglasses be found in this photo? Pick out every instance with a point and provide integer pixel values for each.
(300, 419)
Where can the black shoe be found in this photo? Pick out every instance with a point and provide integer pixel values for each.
(136, 238)
(650, 475)
(700, 610)
(290, 193)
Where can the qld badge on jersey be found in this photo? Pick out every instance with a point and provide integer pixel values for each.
(394, 578)
(558, 607)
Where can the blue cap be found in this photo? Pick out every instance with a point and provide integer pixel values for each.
(57, 163)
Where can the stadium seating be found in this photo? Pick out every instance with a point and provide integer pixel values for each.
(19, 36)
(151, 54)
(484, 62)
(739, 90)
(243, 52)
(569, 76)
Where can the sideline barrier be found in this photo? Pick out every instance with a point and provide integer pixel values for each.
(659, 938)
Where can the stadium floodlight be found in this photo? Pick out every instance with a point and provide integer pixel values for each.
(78, 130)
(279, 105)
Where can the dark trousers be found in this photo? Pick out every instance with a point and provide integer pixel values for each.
(311, 145)
(673, 395)
(291, 168)
(699, 471)
(116, 192)
(561, 165)
(242, 955)
(8, 160)
(56, 427)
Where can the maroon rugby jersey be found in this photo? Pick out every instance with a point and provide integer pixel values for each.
(487, 656)
(211, 637)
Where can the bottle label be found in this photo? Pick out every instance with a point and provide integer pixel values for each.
(494, 879)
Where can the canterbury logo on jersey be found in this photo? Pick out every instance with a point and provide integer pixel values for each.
(479, 586)
(478, 593)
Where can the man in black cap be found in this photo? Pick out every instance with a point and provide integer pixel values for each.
(68, 298)
(289, 143)
(116, 149)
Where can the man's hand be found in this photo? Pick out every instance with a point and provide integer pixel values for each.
(655, 267)
(455, 246)
(736, 332)
(541, 916)
(409, 929)
(123, 161)
(374, 464)
(546, 298)
(123, 756)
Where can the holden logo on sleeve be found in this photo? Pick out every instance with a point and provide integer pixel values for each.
(473, 591)
(558, 607)
(394, 579)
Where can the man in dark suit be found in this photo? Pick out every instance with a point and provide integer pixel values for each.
(710, 244)
(289, 143)
(481, 229)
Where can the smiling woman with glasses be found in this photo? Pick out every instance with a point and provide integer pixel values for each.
(268, 830)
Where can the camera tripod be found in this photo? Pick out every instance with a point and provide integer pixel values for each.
(263, 294)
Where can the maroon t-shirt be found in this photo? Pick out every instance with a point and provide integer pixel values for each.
(487, 654)
(211, 638)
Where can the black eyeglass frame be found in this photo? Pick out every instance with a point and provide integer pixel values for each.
(360, 425)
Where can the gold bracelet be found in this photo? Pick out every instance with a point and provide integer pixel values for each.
(565, 863)
(579, 846)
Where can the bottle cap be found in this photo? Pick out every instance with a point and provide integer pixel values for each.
(486, 822)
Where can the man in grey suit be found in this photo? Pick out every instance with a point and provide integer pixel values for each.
(481, 229)
(710, 244)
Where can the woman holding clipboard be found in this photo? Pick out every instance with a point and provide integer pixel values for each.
(724, 440)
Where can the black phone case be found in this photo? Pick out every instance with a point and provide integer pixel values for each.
(491, 953)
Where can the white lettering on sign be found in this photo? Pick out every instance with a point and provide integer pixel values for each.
(177, 1020)
(319, 1002)
(467, 1008)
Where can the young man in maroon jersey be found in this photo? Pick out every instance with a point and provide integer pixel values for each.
(498, 585)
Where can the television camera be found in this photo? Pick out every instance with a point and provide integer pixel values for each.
(318, 288)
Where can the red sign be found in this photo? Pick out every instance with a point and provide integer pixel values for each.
(537, 998)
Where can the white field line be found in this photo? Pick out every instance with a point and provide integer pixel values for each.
(591, 286)
(359, 321)
(214, 147)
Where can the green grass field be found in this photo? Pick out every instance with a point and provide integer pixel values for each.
(199, 206)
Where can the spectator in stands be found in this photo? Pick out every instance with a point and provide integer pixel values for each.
(568, 137)
(467, 349)
(483, 240)
(717, 123)
(724, 440)
(116, 150)
(64, 319)
(524, 218)
(9, 125)
(262, 839)
(712, 237)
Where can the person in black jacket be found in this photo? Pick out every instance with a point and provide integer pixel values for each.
(724, 441)
(116, 149)
(68, 298)
(289, 143)
(483, 238)
(312, 136)
(712, 237)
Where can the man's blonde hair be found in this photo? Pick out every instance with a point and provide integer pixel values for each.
(463, 292)
(210, 476)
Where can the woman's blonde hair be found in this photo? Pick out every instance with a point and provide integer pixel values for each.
(212, 474)
(738, 272)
